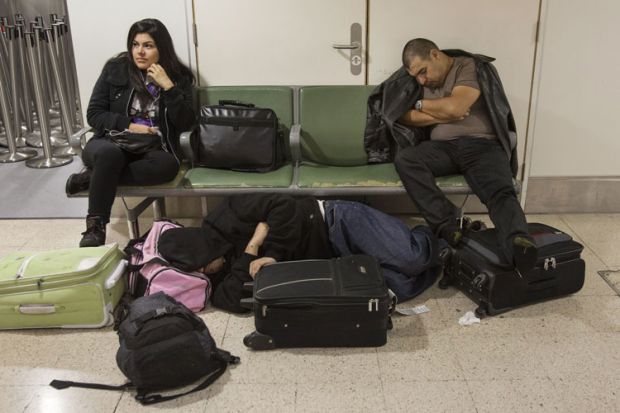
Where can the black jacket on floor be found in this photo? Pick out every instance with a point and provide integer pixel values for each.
(296, 231)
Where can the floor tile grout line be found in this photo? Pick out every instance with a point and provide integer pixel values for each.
(383, 397)
(119, 401)
(471, 395)
(582, 239)
(225, 330)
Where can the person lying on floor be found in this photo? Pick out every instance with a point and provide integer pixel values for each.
(246, 232)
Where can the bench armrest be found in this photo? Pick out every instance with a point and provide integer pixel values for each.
(78, 141)
(295, 144)
(185, 141)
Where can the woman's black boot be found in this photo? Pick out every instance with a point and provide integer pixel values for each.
(94, 235)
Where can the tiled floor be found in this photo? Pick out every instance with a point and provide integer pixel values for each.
(561, 355)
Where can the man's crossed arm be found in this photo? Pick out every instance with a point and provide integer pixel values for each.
(443, 110)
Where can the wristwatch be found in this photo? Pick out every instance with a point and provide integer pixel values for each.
(418, 105)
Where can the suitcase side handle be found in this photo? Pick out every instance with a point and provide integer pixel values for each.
(34, 309)
(116, 275)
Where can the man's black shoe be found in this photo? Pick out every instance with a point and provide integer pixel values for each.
(78, 182)
(524, 253)
(94, 235)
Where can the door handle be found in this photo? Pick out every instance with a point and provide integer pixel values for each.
(355, 48)
(354, 45)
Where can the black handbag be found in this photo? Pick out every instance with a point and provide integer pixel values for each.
(238, 136)
(137, 143)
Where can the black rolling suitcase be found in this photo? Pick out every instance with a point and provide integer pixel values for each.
(342, 302)
(476, 269)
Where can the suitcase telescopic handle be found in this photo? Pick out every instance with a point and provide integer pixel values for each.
(34, 309)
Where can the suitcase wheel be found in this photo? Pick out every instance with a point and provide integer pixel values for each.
(481, 312)
(259, 341)
(480, 280)
(444, 283)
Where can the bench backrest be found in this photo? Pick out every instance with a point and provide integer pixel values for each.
(332, 121)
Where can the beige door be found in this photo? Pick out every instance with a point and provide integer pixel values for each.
(280, 42)
(503, 29)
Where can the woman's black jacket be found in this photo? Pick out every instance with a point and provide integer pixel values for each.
(108, 108)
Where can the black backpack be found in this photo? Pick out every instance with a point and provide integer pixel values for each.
(163, 345)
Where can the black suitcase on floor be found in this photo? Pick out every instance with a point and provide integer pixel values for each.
(476, 269)
(342, 302)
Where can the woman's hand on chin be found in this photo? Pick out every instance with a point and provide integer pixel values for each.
(159, 76)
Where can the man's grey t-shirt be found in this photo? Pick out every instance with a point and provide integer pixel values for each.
(477, 124)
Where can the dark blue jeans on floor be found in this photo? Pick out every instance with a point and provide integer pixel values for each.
(407, 256)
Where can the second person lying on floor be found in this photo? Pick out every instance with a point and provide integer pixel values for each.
(246, 232)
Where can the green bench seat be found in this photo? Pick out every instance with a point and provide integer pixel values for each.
(325, 147)
(332, 120)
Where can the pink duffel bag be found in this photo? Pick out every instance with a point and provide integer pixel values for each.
(150, 273)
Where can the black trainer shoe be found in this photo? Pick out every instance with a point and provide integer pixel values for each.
(78, 182)
(524, 253)
(94, 235)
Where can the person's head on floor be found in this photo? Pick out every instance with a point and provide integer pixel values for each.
(423, 60)
(194, 249)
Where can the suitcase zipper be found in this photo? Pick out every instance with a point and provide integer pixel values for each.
(292, 282)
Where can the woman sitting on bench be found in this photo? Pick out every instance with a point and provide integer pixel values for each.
(140, 104)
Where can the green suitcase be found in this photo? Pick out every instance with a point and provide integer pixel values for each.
(70, 288)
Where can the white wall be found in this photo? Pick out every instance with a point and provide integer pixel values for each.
(576, 130)
(99, 30)
(277, 42)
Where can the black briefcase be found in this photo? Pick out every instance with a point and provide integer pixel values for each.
(238, 136)
(475, 267)
(342, 302)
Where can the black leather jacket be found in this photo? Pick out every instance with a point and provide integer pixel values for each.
(396, 95)
(108, 108)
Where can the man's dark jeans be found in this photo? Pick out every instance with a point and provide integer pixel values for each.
(112, 166)
(408, 257)
(486, 168)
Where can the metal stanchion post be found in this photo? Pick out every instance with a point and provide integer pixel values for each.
(58, 139)
(20, 140)
(66, 67)
(47, 160)
(65, 113)
(33, 137)
(48, 90)
(13, 155)
(70, 59)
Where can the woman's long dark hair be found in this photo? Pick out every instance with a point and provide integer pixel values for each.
(168, 58)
